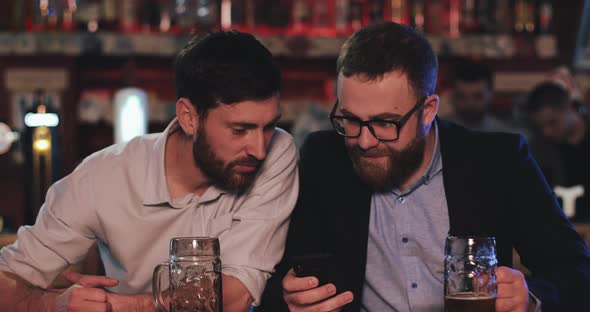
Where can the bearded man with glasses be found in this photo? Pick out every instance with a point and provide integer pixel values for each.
(381, 193)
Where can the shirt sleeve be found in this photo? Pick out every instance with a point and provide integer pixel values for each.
(60, 236)
(252, 247)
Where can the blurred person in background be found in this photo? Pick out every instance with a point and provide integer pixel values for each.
(315, 117)
(472, 97)
(561, 143)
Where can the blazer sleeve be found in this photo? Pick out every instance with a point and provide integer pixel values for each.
(302, 230)
(556, 255)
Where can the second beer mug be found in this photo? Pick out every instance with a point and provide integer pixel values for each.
(195, 276)
(470, 274)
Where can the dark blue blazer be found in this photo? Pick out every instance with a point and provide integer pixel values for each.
(493, 187)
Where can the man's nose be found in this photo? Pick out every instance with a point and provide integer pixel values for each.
(367, 140)
(256, 146)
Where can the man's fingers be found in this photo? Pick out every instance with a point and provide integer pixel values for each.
(507, 275)
(335, 302)
(90, 307)
(507, 304)
(90, 280)
(292, 283)
(72, 276)
(88, 294)
(512, 291)
(311, 296)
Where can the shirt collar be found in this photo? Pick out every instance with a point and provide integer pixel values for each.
(435, 165)
(156, 187)
(433, 169)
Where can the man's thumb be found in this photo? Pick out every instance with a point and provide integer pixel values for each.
(90, 280)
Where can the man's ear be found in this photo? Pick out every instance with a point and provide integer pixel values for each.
(431, 105)
(187, 115)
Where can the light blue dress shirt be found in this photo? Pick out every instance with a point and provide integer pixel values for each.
(405, 253)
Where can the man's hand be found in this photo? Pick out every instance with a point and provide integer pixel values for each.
(90, 280)
(87, 293)
(513, 293)
(302, 294)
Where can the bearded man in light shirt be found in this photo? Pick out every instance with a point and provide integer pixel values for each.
(220, 169)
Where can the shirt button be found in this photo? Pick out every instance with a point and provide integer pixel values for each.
(401, 199)
(404, 240)
(414, 285)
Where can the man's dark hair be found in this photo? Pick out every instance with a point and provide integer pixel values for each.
(225, 67)
(546, 94)
(471, 71)
(385, 47)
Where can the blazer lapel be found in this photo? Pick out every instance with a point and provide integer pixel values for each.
(458, 172)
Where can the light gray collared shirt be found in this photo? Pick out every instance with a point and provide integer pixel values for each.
(119, 197)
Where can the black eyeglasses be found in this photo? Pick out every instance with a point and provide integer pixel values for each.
(382, 130)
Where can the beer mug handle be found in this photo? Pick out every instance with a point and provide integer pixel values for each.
(156, 287)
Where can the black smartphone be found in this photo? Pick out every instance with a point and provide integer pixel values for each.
(318, 264)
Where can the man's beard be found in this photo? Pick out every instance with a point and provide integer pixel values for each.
(223, 175)
(400, 166)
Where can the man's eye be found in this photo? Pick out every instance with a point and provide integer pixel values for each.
(383, 124)
(270, 127)
(238, 131)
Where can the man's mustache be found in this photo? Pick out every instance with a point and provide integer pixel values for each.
(246, 161)
(373, 152)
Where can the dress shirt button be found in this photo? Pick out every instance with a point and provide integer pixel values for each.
(401, 199)
(414, 285)
(404, 240)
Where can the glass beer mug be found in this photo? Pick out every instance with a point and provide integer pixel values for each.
(194, 272)
(470, 274)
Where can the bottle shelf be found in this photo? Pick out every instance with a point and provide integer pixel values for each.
(296, 46)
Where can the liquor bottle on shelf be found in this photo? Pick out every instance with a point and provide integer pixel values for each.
(503, 14)
(233, 14)
(52, 13)
(14, 15)
(485, 15)
(45, 14)
(417, 15)
(323, 18)
(87, 15)
(300, 16)
(109, 15)
(319, 14)
(278, 15)
(398, 11)
(256, 16)
(357, 14)
(342, 16)
(545, 17)
(167, 21)
(68, 10)
(149, 15)
(128, 19)
(207, 14)
(183, 17)
(376, 10)
(435, 13)
(454, 18)
(469, 20)
(524, 16)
